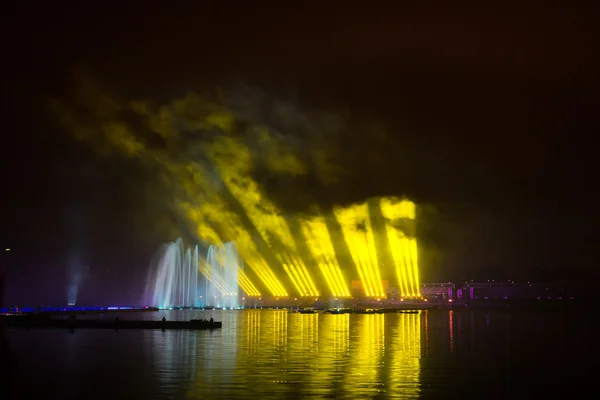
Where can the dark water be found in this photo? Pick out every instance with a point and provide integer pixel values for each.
(262, 354)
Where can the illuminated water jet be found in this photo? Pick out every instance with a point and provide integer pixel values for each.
(180, 278)
(222, 271)
(173, 277)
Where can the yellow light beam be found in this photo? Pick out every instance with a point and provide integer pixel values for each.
(295, 275)
(249, 253)
(407, 259)
(358, 233)
(415, 266)
(404, 250)
(319, 242)
(294, 278)
(234, 163)
(356, 225)
(312, 290)
(207, 273)
(395, 243)
(246, 284)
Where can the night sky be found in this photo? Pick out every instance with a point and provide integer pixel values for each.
(483, 116)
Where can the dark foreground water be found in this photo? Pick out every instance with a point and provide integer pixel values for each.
(261, 354)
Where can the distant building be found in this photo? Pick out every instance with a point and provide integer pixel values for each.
(445, 290)
(522, 290)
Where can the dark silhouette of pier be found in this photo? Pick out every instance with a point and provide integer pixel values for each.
(72, 323)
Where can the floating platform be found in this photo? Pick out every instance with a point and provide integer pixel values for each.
(25, 322)
(74, 310)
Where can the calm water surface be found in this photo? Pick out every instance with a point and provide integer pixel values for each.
(262, 354)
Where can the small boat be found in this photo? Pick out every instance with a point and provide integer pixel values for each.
(307, 311)
(367, 311)
(337, 311)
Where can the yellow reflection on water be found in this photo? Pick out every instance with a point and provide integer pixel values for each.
(333, 349)
(280, 330)
(367, 348)
(289, 355)
(405, 349)
(252, 332)
(309, 328)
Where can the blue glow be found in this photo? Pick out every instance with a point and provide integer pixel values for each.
(65, 309)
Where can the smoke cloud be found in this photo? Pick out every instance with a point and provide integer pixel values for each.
(240, 166)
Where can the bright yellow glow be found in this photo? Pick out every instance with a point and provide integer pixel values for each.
(415, 265)
(405, 349)
(253, 332)
(358, 233)
(367, 348)
(234, 162)
(279, 331)
(331, 356)
(334, 342)
(255, 260)
(394, 208)
(403, 249)
(246, 285)
(319, 242)
(309, 328)
(232, 227)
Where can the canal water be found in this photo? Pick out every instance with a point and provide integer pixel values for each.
(271, 354)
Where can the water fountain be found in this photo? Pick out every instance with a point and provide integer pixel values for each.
(221, 270)
(179, 278)
(173, 277)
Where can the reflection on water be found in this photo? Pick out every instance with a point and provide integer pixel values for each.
(171, 353)
(367, 347)
(334, 350)
(272, 354)
(310, 355)
(451, 329)
(406, 353)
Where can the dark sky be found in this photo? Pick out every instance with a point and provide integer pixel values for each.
(488, 114)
